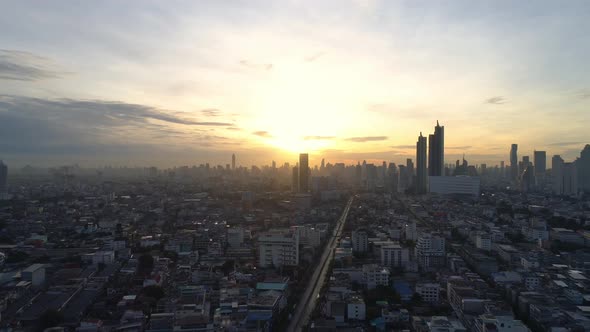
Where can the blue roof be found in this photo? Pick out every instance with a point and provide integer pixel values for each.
(279, 286)
(403, 288)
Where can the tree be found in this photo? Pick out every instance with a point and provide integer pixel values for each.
(146, 262)
(50, 318)
(416, 299)
(154, 291)
(227, 267)
(16, 257)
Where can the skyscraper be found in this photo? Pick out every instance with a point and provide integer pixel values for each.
(295, 180)
(3, 176)
(303, 172)
(557, 174)
(421, 171)
(540, 159)
(514, 162)
(570, 179)
(233, 161)
(436, 151)
(583, 166)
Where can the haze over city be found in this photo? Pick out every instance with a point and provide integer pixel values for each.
(169, 83)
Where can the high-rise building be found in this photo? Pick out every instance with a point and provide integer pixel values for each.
(570, 179)
(557, 174)
(278, 248)
(233, 161)
(540, 159)
(514, 162)
(583, 166)
(430, 251)
(303, 172)
(360, 240)
(3, 177)
(295, 179)
(436, 151)
(421, 171)
(502, 174)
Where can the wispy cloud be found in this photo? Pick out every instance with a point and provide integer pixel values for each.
(262, 133)
(25, 66)
(260, 66)
(583, 94)
(403, 146)
(211, 112)
(318, 138)
(565, 143)
(497, 100)
(366, 139)
(314, 57)
(461, 147)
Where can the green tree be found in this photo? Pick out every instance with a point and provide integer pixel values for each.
(146, 262)
(154, 291)
(50, 318)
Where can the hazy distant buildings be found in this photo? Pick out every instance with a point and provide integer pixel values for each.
(295, 179)
(233, 161)
(303, 173)
(421, 171)
(514, 162)
(436, 151)
(454, 185)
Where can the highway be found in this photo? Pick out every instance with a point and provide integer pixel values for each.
(305, 307)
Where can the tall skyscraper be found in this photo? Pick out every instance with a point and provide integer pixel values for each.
(303, 172)
(570, 179)
(421, 171)
(3, 177)
(502, 174)
(436, 151)
(540, 159)
(295, 180)
(514, 162)
(583, 166)
(233, 161)
(557, 174)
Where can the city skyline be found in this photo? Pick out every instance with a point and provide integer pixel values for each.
(178, 83)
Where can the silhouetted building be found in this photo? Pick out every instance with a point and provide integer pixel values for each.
(583, 166)
(540, 159)
(295, 179)
(514, 162)
(570, 179)
(3, 177)
(557, 174)
(421, 172)
(303, 172)
(528, 178)
(436, 151)
(233, 161)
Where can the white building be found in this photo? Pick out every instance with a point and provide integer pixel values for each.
(430, 251)
(102, 257)
(360, 240)
(356, 309)
(375, 275)
(490, 323)
(394, 255)
(462, 185)
(410, 231)
(235, 237)
(35, 274)
(429, 292)
(278, 248)
(483, 241)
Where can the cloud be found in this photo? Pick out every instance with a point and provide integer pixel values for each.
(565, 143)
(233, 128)
(260, 66)
(463, 147)
(366, 139)
(497, 100)
(318, 138)
(211, 112)
(314, 57)
(583, 94)
(403, 146)
(25, 66)
(262, 133)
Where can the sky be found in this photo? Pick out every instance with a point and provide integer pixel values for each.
(186, 82)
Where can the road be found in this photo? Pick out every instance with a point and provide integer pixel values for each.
(308, 301)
